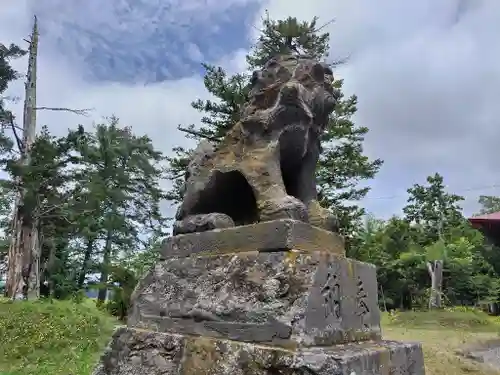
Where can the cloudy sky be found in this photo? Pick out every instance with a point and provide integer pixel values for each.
(427, 74)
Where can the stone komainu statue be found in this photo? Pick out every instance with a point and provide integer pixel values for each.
(278, 296)
(264, 168)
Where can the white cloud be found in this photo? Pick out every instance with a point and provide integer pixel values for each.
(127, 34)
(427, 74)
(154, 109)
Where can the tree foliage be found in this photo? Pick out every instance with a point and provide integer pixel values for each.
(434, 210)
(432, 228)
(97, 196)
(278, 37)
(7, 75)
(489, 204)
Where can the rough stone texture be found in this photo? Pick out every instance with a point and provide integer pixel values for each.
(286, 298)
(136, 352)
(264, 168)
(278, 235)
(201, 223)
(295, 305)
(487, 352)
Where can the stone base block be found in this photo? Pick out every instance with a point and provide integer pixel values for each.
(276, 235)
(282, 298)
(137, 352)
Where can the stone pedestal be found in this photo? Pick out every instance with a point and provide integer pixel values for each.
(270, 298)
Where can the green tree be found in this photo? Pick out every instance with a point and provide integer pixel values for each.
(7, 75)
(489, 204)
(96, 198)
(343, 164)
(437, 214)
(124, 282)
(278, 37)
(390, 245)
(126, 273)
(394, 247)
(42, 179)
(45, 181)
(141, 261)
(120, 192)
(434, 210)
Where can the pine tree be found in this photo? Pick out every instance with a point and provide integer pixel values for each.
(119, 200)
(7, 75)
(343, 164)
(288, 36)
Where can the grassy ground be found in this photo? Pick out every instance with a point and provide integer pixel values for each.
(68, 338)
(442, 334)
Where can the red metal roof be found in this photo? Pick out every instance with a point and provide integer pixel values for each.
(489, 220)
(495, 216)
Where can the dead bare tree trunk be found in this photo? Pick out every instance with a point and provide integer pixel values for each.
(435, 269)
(23, 279)
(23, 275)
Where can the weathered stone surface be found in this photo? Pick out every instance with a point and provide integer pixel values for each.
(135, 352)
(246, 332)
(264, 168)
(277, 235)
(321, 297)
(201, 223)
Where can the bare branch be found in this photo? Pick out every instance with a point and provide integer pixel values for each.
(340, 61)
(324, 25)
(13, 99)
(13, 127)
(177, 176)
(48, 210)
(64, 200)
(80, 112)
(198, 134)
(17, 152)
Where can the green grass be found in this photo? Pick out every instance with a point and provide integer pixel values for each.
(456, 319)
(59, 338)
(64, 338)
(442, 334)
